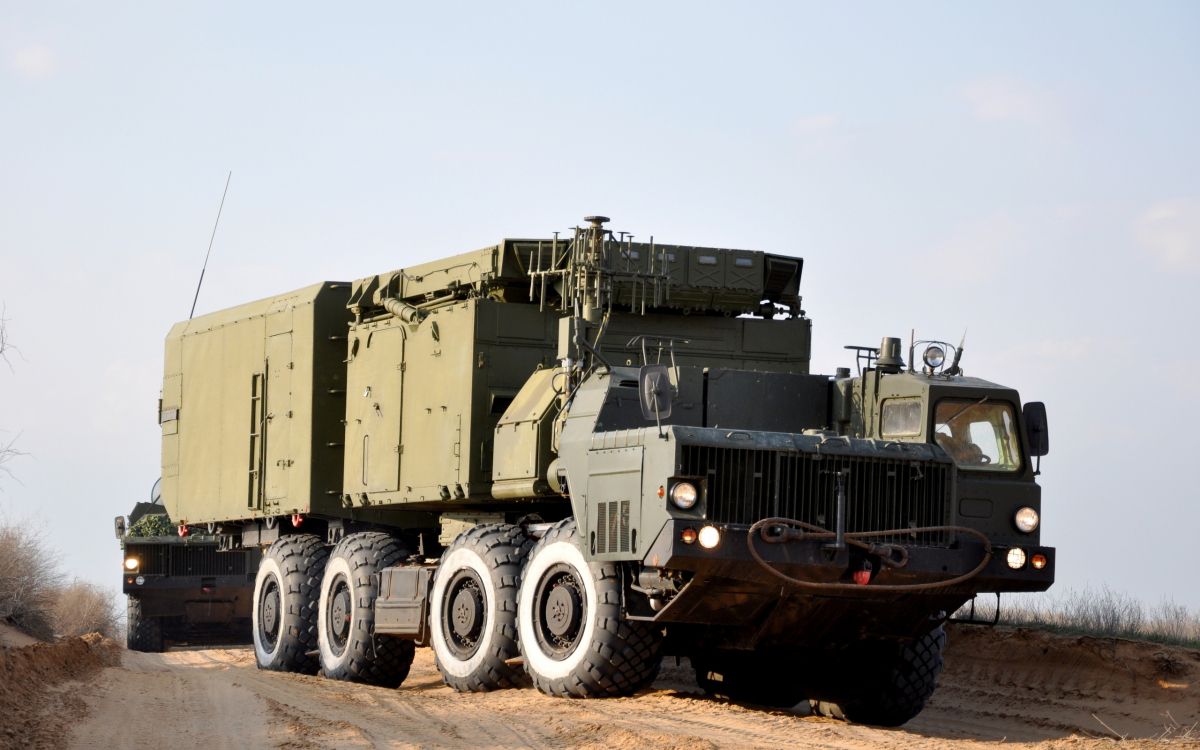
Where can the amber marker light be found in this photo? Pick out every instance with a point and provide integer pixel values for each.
(662, 491)
(688, 536)
(1038, 561)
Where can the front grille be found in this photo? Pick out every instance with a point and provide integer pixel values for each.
(186, 560)
(747, 485)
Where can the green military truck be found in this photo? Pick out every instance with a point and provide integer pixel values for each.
(179, 586)
(590, 452)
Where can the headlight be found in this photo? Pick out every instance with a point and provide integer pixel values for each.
(684, 495)
(131, 563)
(935, 356)
(1026, 520)
(709, 537)
(1016, 558)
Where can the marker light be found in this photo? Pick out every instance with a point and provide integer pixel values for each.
(935, 356)
(131, 563)
(1026, 520)
(684, 495)
(709, 537)
(1038, 561)
(688, 536)
(1016, 558)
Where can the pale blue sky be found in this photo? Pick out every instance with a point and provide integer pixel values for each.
(1027, 171)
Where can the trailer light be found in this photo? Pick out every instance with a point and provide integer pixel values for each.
(688, 536)
(709, 537)
(684, 495)
(1026, 520)
(131, 563)
(935, 356)
(1016, 558)
(1038, 561)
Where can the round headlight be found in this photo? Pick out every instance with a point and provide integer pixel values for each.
(131, 563)
(709, 537)
(684, 495)
(1026, 520)
(1016, 558)
(935, 356)
(140, 580)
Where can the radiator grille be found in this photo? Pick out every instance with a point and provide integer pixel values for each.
(186, 560)
(746, 485)
(612, 527)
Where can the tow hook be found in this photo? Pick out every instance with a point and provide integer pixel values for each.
(863, 577)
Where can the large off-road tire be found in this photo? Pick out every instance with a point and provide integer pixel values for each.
(764, 679)
(571, 632)
(142, 633)
(473, 608)
(284, 615)
(896, 684)
(348, 646)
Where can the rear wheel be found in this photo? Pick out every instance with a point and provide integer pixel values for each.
(897, 683)
(284, 614)
(349, 648)
(749, 677)
(473, 609)
(572, 634)
(142, 633)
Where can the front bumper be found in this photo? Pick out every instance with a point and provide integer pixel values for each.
(726, 585)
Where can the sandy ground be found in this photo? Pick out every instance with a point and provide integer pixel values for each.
(1015, 688)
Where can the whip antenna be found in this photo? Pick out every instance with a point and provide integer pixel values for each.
(210, 244)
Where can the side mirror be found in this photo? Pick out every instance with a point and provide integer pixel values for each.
(654, 392)
(119, 526)
(1036, 430)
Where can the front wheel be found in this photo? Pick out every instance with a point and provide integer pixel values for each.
(572, 634)
(895, 684)
(142, 633)
(473, 608)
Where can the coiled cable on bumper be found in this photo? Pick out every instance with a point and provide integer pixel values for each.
(810, 531)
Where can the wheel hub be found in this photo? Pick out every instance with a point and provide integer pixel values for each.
(268, 613)
(464, 609)
(560, 611)
(341, 611)
(563, 608)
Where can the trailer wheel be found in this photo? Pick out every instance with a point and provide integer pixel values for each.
(142, 633)
(348, 646)
(284, 611)
(897, 684)
(760, 678)
(473, 608)
(574, 639)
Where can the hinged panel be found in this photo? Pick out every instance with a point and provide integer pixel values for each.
(278, 444)
(375, 383)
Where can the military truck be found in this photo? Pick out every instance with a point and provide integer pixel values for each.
(179, 587)
(576, 454)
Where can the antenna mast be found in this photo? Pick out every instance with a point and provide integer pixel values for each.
(210, 244)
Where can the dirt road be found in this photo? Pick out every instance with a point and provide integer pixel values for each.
(1028, 689)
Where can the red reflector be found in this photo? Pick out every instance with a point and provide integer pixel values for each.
(688, 536)
(862, 577)
(183, 530)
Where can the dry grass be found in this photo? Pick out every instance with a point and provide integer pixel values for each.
(1100, 612)
(34, 597)
(29, 581)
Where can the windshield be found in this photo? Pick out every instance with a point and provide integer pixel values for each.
(978, 434)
